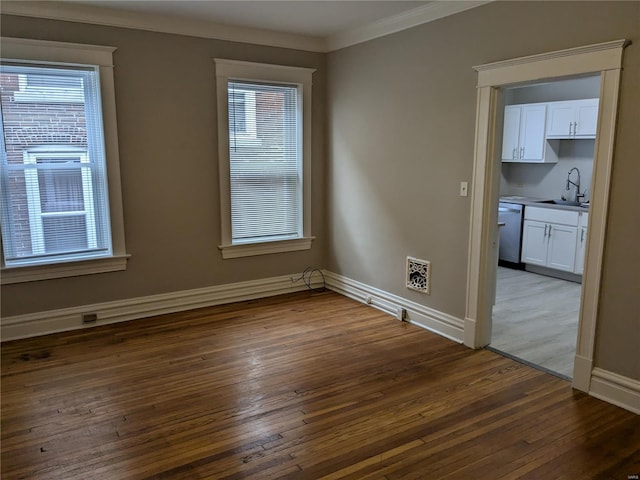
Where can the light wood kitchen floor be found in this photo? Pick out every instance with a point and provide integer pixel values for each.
(535, 318)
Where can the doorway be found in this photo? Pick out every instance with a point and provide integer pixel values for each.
(538, 291)
(604, 60)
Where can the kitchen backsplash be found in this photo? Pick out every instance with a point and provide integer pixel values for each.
(550, 180)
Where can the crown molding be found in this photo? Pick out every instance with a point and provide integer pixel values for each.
(97, 15)
(396, 23)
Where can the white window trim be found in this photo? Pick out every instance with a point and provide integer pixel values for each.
(26, 50)
(239, 70)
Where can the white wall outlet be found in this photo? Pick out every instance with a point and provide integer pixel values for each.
(464, 189)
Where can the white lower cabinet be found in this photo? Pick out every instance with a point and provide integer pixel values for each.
(534, 242)
(581, 243)
(550, 238)
(549, 245)
(562, 247)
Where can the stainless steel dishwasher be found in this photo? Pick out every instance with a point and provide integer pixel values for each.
(511, 215)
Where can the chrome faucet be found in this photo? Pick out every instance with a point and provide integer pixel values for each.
(579, 195)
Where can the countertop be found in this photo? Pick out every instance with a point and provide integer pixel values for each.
(537, 202)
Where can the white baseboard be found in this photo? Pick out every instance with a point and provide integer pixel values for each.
(610, 387)
(52, 321)
(438, 322)
(616, 389)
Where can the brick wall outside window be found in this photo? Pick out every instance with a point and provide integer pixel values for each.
(34, 124)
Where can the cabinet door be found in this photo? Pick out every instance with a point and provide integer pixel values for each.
(581, 244)
(511, 133)
(586, 118)
(534, 242)
(562, 247)
(560, 119)
(532, 133)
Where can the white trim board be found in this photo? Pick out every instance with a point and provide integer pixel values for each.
(621, 391)
(193, 27)
(53, 321)
(438, 322)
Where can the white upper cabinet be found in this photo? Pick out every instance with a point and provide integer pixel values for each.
(523, 135)
(511, 133)
(532, 133)
(572, 119)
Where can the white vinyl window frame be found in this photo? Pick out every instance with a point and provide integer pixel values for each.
(29, 51)
(227, 70)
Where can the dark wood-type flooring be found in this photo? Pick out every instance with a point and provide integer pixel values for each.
(302, 386)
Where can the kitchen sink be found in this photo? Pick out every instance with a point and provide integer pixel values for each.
(563, 202)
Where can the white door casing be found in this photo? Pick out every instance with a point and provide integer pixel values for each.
(604, 59)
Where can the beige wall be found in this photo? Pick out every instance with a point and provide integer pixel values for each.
(165, 88)
(400, 139)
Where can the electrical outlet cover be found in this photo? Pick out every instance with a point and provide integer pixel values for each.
(418, 275)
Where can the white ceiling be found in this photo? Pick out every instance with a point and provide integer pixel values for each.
(304, 24)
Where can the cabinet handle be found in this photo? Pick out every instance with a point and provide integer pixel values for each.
(549, 231)
(514, 153)
(582, 236)
(521, 153)
(545, 230)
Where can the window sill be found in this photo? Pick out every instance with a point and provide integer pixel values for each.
(265, 248)
(61, 270)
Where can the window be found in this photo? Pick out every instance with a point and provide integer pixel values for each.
(49, 89)
(57, 219)
(242, 115)
(264, 115)
(60, 201)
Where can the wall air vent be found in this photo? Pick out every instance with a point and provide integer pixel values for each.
(418, 275)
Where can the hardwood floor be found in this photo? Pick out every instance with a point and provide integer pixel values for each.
(535, 318)
(301, 387)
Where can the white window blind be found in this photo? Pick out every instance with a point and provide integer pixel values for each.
(54, 186)
(265, 161)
